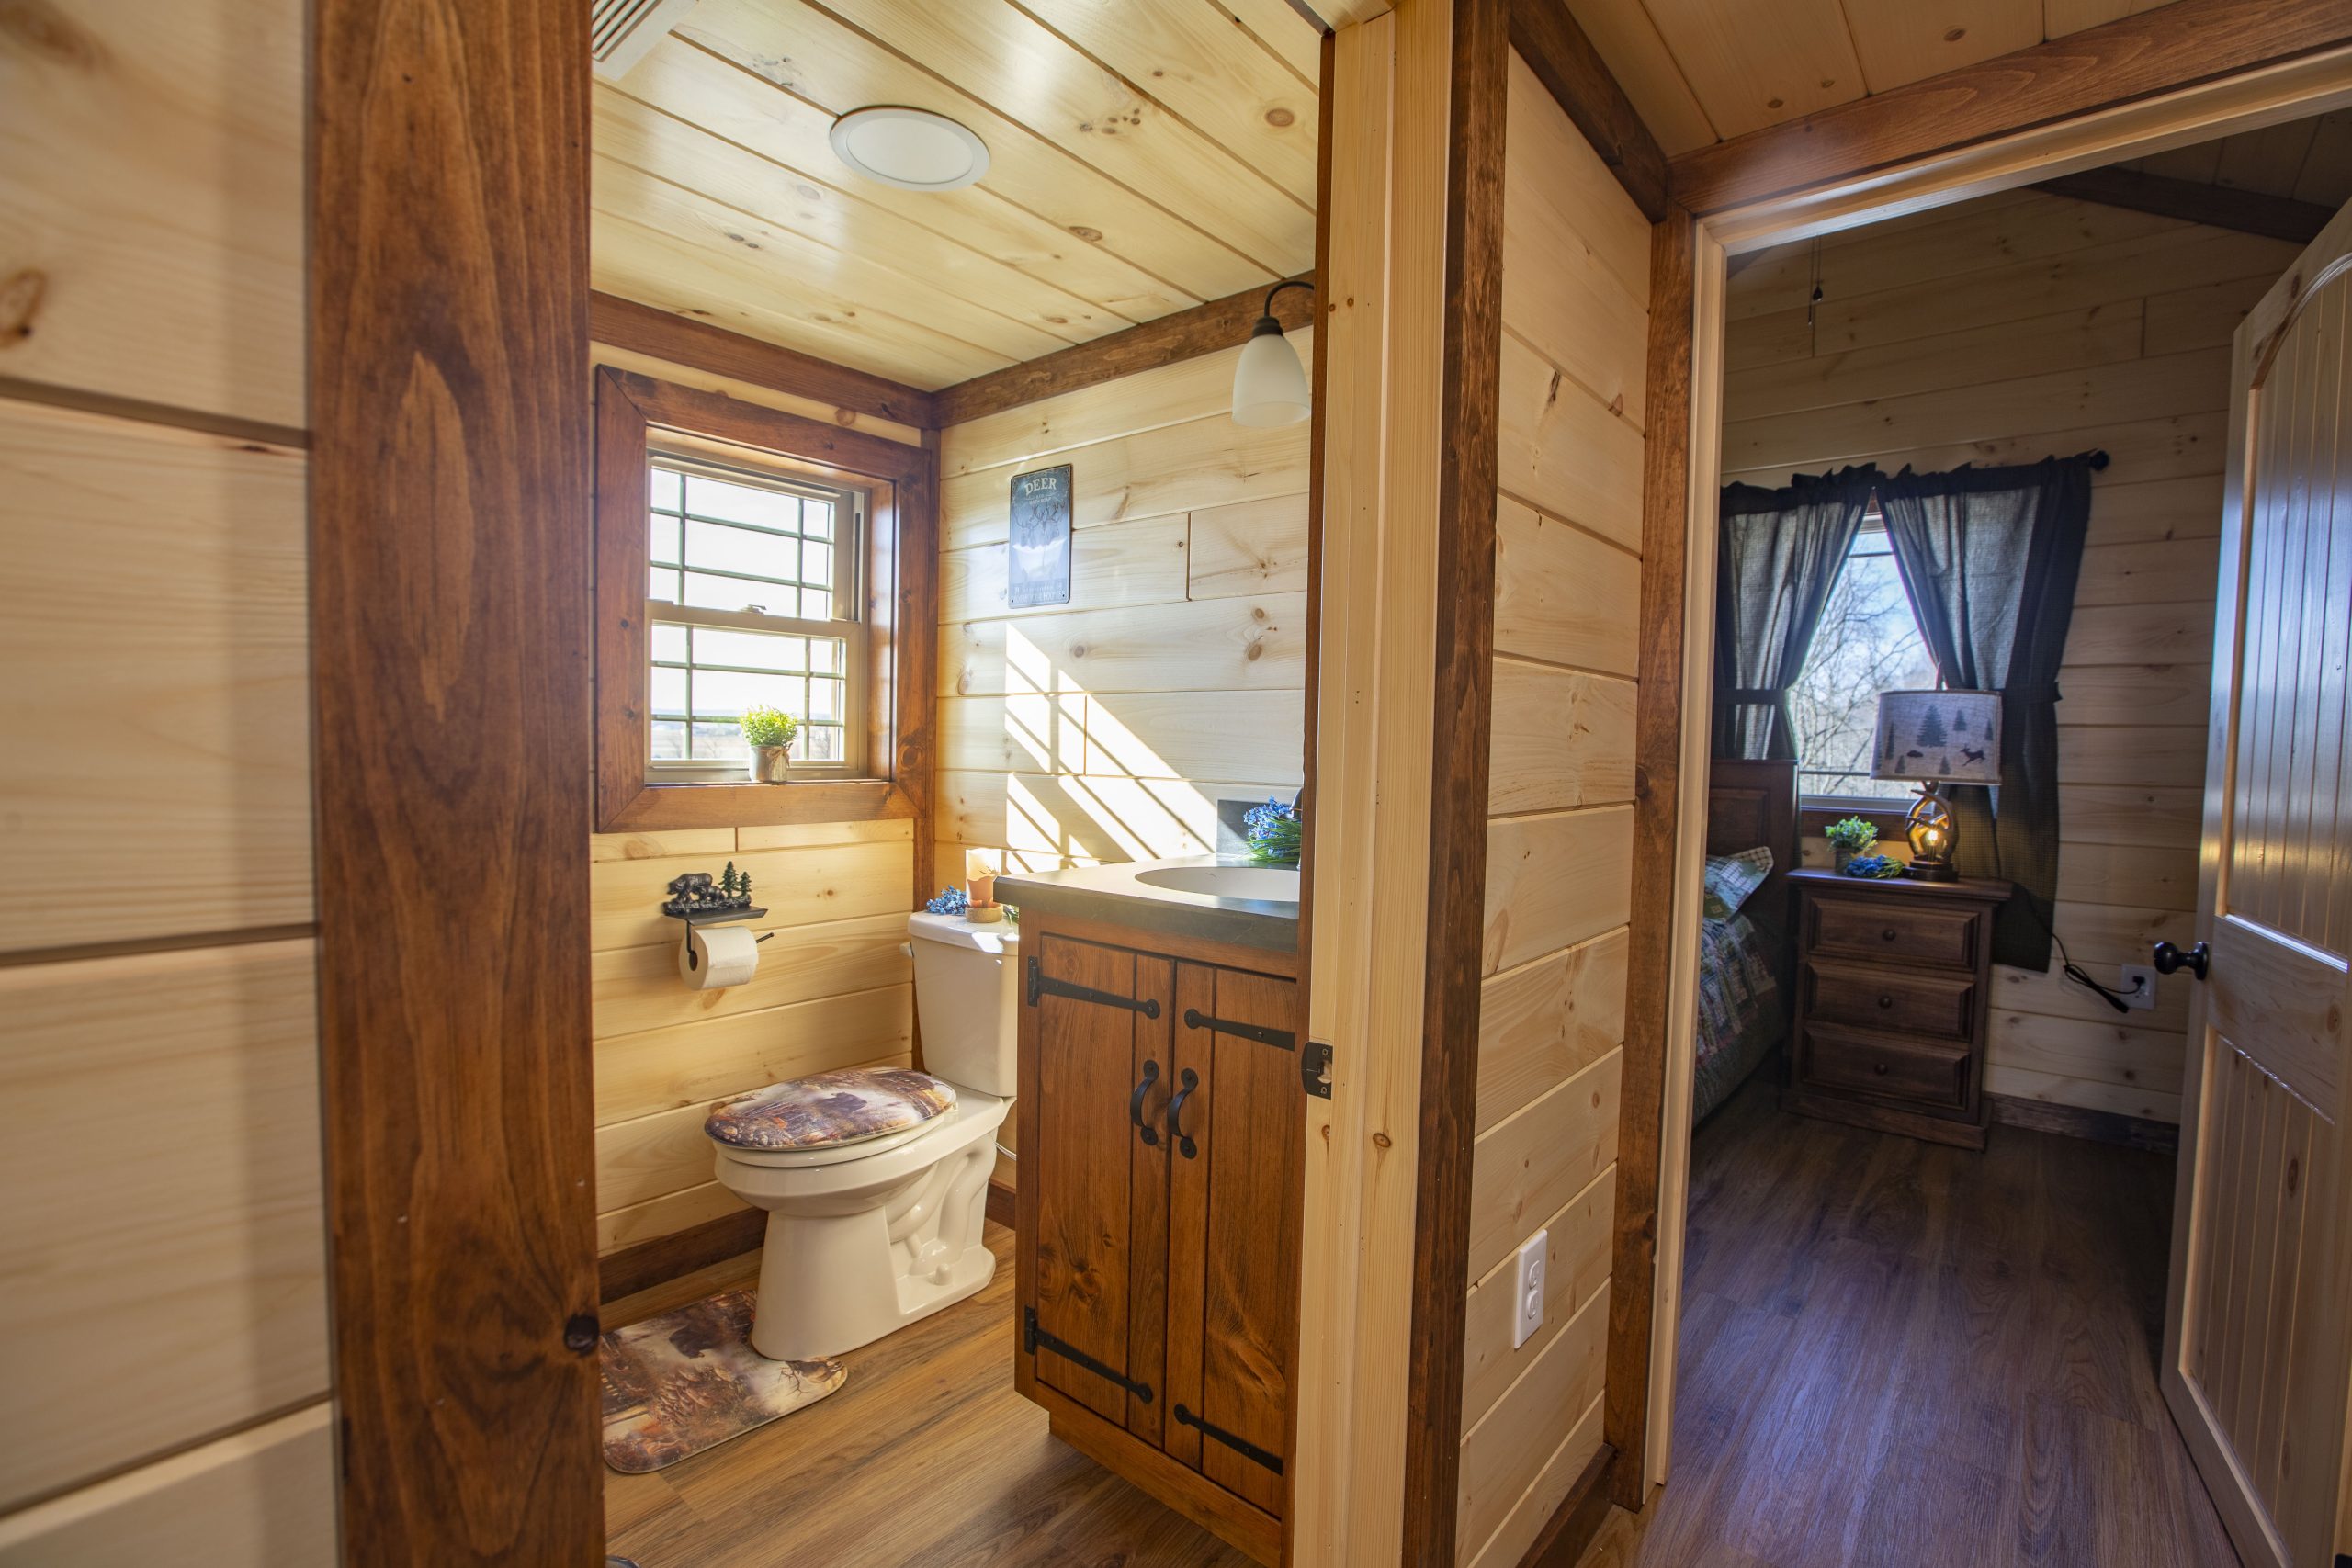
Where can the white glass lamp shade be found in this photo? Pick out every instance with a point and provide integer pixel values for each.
(1269, 384)
(1938, 738)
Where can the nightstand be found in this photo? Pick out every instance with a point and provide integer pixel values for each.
(1893, 987)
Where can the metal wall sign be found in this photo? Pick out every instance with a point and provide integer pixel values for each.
(1037, 558)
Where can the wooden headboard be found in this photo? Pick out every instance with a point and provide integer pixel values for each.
(1751, 802)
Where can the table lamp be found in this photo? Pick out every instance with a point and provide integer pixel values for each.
(1932, 739)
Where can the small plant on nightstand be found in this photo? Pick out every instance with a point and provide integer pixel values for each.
(1850, 837)
(769, 732)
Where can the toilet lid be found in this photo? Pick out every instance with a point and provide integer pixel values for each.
(832, 1109)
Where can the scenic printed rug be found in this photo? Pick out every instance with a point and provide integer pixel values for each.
(689, 1380)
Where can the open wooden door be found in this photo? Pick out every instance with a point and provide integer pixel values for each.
(2258, 1324)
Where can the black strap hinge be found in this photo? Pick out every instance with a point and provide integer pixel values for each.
(1034, 1339)
(1241, 1446)
(1315, 1069)
(1043, 985)
(1195, 1018)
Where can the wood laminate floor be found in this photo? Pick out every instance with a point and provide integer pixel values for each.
(1897, 1353)
(925, 1459)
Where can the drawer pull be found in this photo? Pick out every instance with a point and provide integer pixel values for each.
(1885, 1001)
(1135, 1104)
(1879, 1067)
(1888, 934)
(1176, 1134)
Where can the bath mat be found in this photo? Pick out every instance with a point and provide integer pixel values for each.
(689, 1380)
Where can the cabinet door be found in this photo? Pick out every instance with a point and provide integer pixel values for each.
(1236, 1124)
(1102, 1019)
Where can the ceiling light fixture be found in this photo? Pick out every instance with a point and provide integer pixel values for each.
(912, 149)
(1269, 383)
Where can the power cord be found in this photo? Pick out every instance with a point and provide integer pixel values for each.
(2068, 967)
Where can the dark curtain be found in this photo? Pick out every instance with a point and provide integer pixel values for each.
(1989, 558)
(1778, 554)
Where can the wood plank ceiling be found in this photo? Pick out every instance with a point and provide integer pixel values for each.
(1146, 156)
(2305, 160)
(1704, 70)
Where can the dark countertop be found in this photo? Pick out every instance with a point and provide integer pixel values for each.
(1117, 895)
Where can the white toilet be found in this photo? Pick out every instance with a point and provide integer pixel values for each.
(875, 1183)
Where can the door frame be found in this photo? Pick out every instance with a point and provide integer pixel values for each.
(2247, 100)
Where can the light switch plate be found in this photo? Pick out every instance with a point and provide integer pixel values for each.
(2145, 995)
(1527, 1288)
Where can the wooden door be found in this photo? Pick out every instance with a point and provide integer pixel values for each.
(1094, 1310)
(1236, 1122)
(2258, 1325)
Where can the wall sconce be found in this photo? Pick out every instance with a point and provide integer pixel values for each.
(1269, 384)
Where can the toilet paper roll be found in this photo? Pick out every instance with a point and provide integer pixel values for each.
(713, 957)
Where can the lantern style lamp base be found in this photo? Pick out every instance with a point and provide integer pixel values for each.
(1933, 835)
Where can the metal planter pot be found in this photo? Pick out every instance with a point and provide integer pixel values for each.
(771, 764)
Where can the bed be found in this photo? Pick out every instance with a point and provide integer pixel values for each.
(1745, 953)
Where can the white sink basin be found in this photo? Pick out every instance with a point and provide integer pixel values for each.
(1261, 884)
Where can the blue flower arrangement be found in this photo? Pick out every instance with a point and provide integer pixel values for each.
(1874, 867)
(1275, 832)
(951, 901)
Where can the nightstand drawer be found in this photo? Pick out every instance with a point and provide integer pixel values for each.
(1911, 1070)
(1868, 997)
(1904, 933)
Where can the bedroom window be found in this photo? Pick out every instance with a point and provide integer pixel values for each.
(1869, 642)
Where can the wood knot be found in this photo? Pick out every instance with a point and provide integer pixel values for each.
(1380, 1139)
(1091, 236)
(1278, 118)
(19, 299)
(39, 28)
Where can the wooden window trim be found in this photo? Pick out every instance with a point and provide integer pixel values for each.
(901, 610)
(1815, 813)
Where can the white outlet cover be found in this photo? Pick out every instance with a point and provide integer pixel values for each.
(2145, 995)
(1527, 1288)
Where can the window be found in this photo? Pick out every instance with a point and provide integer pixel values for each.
(1868, 642)
(751, 594)
(746, 556)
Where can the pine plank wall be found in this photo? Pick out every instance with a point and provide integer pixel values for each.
(2003, 330)
(162, 1243)
(834, 988)
(1560, 874)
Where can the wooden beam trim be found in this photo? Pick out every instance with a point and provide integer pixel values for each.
(2159, 50)
(1468, 436)
(1564, 59)
(450, 631)
(681, 340)
(2224, 207)
(1170, 340)
(1658, 751)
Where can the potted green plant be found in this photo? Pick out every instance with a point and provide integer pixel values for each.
(769, 732)
(1850, 837)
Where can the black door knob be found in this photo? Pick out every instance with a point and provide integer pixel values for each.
(2171, 960)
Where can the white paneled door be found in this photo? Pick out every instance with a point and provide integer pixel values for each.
(2258, 1324)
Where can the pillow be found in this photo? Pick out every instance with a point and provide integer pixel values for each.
(1731, 879)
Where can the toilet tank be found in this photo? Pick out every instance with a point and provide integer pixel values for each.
(967, 984)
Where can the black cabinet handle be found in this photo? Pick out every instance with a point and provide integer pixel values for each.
(1191, 1080)
(2171, 960)
(1135, 1104)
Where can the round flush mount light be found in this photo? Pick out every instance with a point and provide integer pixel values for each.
(912, 149)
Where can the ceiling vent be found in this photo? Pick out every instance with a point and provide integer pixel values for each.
(622, 32)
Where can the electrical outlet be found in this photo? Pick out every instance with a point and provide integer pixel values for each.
(2139, 988)
(1527, 1288)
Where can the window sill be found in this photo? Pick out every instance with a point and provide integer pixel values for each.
(656, 807)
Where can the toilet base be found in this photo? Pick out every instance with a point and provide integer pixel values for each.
(834, 1276)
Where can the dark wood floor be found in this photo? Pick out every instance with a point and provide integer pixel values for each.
(1897, 1353)
(926, 1457)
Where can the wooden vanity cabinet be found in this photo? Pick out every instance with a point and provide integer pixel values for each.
(1162, 1121)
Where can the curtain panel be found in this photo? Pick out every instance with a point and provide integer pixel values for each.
(1989, 558)
(1778, 555)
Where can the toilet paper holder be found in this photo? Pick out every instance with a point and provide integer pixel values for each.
(698, 898)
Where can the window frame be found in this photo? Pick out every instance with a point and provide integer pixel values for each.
(638, 417)
(851, 505)
(1816, 810)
